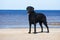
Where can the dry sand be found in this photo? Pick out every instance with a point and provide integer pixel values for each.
(22, 34)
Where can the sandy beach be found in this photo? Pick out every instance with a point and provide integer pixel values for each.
(22, 34)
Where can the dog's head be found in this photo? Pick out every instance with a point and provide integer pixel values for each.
(30, 9)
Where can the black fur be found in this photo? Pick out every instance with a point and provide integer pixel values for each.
(36, 18)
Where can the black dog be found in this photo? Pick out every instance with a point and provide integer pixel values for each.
(36, 18)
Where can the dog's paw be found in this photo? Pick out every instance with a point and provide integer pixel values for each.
(47, 31)
(41, 31)
(29, 32)
(35, 32)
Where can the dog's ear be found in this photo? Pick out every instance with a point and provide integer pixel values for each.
(27, 8)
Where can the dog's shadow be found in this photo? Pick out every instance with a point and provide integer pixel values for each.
(41, 32)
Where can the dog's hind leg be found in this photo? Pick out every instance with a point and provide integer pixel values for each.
(34, 28)
(45, 23)
(41, 26)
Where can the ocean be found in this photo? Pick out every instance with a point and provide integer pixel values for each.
(19, 18)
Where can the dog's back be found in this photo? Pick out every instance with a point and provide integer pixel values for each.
(37, 17)
(40, 16)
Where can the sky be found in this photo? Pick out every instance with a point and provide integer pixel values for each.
(22, 4)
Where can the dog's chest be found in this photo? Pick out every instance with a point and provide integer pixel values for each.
(32, 18)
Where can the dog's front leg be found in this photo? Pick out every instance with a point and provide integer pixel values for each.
(29, 28)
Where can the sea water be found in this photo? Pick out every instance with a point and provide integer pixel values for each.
(19, 18)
